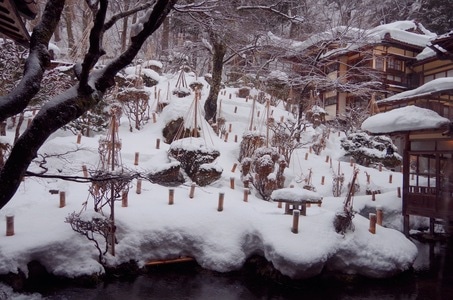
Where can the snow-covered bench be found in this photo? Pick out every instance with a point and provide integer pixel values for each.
(296, 198)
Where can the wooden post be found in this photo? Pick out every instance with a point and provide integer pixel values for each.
(280, 205)
(192, 190)
(380, 167)
(62, 199)
(372, 228)
(85, 171)
(327, 158)
(322, 180)
(9, 225)
(232, 183)
(154, 118)
(398, 191)
(373, 196)
(295, 228)
(79, 138)
(390, 178)
(310, 149)
(124, 199)
(235, 109)
(171, 196)
(226, 137)
(306, 156)
(379, 215)
(246, 195)
(234, 167)
(230, 127)
(235, 138)
(367, 178)
(137, 155)
(157, 143)
(351, 161)
(220, 205)
(139, 186)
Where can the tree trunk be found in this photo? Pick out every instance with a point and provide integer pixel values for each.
(210, 106)
(68, 17)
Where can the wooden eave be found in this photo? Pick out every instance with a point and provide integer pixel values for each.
(11, 24)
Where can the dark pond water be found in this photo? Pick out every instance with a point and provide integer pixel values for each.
(432, 278)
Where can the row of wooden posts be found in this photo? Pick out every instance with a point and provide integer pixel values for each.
(375, 218)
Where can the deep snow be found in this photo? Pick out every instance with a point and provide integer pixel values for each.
(151, 229)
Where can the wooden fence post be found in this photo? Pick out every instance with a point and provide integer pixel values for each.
(232, 183)
(246, 195)
(136, 158)
(139, 186)
(379, 215)
(62, 199)
(192, 190)
(372, 228)
(124, 199)
(295, 228)
(171, 196)
(9, 225)
(220, 205)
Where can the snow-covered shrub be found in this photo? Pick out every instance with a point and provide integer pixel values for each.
(250, 142)
(265, 171)
(371, 150)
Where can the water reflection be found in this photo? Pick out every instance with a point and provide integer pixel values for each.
(431, 279)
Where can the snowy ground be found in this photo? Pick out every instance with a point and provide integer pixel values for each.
(151, 229)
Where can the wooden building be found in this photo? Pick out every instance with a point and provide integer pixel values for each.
(12, 15)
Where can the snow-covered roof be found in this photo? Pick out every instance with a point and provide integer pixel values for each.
(407, 32)
(407, 118)
(429, 88)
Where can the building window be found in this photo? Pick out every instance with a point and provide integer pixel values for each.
(330, 101)
(379, 63)
(394, 64)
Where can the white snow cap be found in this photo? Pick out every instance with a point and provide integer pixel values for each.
(404, 119)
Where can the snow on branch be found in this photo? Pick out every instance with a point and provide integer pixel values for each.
(272, 9)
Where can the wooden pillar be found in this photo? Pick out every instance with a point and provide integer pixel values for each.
(372, 228)
(295, 228)
(171, 196)
(9, 225)
(220, 204)
(62, 199)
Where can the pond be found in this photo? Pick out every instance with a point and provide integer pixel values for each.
(431, 279)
